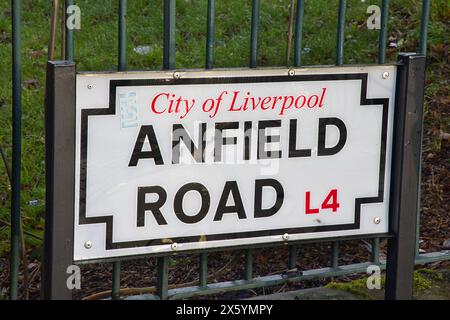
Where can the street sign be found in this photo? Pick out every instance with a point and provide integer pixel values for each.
(169, 162)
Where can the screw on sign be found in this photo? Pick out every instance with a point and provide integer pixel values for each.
(88, 244)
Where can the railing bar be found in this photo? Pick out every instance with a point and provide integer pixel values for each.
(437, 256)
(162, 277)
(122, 66)
(383, 32)
(248, 264)
(115, 292)
(340, 33)
(376, 250)
(266, 281)
(423, 50)
(298, 33)
(69, 36)
(335, 255)
(254, 34)
(210, 34)
(292, 263)
(63, 29)
(271, 280)
(203, 274)
(169, 34)
(424, 26)
(16, 146)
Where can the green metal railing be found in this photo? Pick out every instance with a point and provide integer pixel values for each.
(17, 147)
(69, 36)
(169, 15)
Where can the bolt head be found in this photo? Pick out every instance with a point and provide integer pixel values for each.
(291, 72)
(174, 246)
(176, 75)
(90, 86)
(285, 237)
(377, 220)
(385, 75)
(88, 244)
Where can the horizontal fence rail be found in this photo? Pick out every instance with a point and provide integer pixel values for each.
(163, 288)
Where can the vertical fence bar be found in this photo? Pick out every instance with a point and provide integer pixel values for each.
(424, 26)
(405, 176)
(69, 36)
(162, 283)
(335, 255)
(16, 146)
(254, 34)
(376, 250)
(203, 274)
(169, 34)
(340, 33)
(122, 65)
(210, 34)
(63, 29)
(292, 260)
(382, 41)
(298, 33)
(423, 50)
(115, 292)
(248, 264)
(162, 277)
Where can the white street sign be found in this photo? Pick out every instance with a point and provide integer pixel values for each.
(228, 158)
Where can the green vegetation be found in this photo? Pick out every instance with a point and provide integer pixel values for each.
(96, 49)
(431, 274)
(424, 281)
(356, 287)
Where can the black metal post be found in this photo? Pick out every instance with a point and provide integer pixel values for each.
(405, 180)
(60, 179)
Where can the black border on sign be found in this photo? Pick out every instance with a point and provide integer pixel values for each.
(111, 110)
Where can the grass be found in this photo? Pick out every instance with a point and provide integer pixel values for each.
(424, 279)
(96, 49)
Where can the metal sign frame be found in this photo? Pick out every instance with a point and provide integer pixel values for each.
(60, 176)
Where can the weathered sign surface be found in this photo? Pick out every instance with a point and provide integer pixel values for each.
(224, 158)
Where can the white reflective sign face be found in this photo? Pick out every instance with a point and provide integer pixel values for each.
(227, 158)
